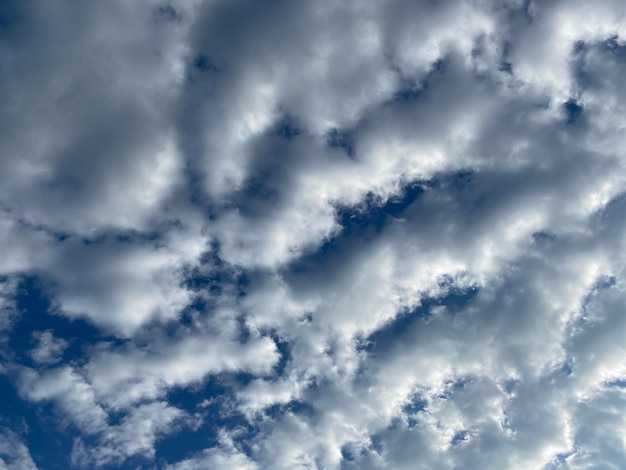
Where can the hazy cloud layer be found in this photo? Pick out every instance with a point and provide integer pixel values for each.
(336, 235)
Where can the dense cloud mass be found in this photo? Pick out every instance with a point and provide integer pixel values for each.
(270, 234)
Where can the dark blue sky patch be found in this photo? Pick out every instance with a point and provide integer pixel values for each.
(346, 454)
(411, 91)
(567, 368)
(296, 407)
(185, 443)
(415, 405)
(128, 236)
(343, 139)
(562, 457)
(459, 437)
(10, 16)
(364, 223)
(389, 334)
(563, 370)
(454, 182)
(59, 235)
(509, 385)
(361, 225)
(243, 334)
(48, 436)
(244, 281)
(286, 128)
(605, 282)
(406, 320)
(505, 65)
(37, 426)
(454, 386)
(33, 303)
(613, 45)
(374, 212)
(188, 440)
(573, 111)
(212, 280)
(617, 383)
(580, 47)
(412, 409)
(543, 238)
(217, 411)
(205, 64)
(284, 349)
(421, 200)
(377, 444)
(209, 282)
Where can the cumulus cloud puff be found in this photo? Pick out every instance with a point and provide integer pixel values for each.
(337, 234)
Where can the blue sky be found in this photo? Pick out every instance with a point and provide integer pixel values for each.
(323, 235)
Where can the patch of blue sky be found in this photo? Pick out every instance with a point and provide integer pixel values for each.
(616, 383)
(404, 323)
(47, 435)
(573, 110)
(38, 425)
(459, 437)
(343, 139)
(212, 402)
(37, 313)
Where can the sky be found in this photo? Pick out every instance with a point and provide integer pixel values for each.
(333, 235)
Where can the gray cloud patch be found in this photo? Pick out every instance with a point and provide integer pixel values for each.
(333, 235)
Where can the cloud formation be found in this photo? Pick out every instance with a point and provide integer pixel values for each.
(335, 235)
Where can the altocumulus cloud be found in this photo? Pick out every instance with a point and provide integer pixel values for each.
(269, 234)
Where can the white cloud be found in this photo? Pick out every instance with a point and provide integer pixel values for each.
(8, 309)
(135, 435)
(124, 377)
(87, 148)
(399, 227)
(224, 457)
(73, 394)
(14, 455)
(122, 285)
(49, 349)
